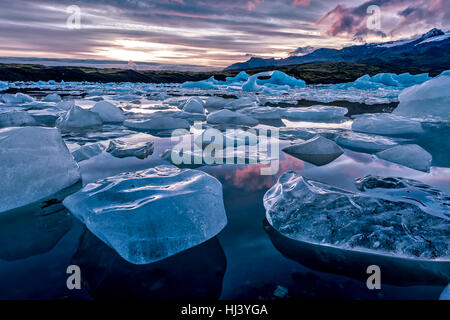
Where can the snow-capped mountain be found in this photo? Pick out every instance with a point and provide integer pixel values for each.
(420, 51)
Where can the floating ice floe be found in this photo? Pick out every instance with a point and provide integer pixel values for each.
(315, 113)
(319, 151)
(364, 142)
(186, 157)
(231, 138)
(263, 113)
(216, 102)
(250, 85)
(159, 123)
(34, 164)
(236, 104)
(275, 79)
(150, 215)
(46, 117)
(430, 100)
(280, 78)
(78, 118)
(53, 97)
(385, 124)
(18, 98)
(427, 198)
(408, 155)
(193, 105)
(4, 85)
(15, 118)
(109, 112)
(386, 80)
(198, 85)
(88, 151)
(136, 145)
(192, 117)
(230, 117)
(65, 104)
(240, 77)
(317, 213)
(126, 97)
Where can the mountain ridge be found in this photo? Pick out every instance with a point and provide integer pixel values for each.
(418, 51)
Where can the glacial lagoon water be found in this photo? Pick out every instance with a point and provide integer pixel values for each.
(247, 260)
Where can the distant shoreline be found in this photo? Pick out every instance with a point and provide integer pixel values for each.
(312, 73)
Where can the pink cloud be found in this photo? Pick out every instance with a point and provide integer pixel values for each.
(403, 15)
(301, 3)
(252, 4)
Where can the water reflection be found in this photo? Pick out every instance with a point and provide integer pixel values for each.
(196, 273)
(352, 263)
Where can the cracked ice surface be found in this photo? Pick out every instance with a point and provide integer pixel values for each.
(318, 213)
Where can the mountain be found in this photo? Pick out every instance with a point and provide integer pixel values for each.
(429, 50)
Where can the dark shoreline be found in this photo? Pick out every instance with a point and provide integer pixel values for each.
(312, 73)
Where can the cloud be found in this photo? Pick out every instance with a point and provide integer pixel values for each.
(204, 32)
(397, 17)
(302, 51)
(301, 3)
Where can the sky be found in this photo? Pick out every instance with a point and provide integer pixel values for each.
(202, 32)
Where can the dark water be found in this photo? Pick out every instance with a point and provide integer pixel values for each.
(245, 261)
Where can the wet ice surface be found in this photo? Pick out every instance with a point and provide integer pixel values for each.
(235, 256)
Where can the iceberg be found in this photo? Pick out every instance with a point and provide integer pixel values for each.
(15, 118)
(198, 85)
(3, 86)
(382, 80)
(159, 123)
(231, 138)
(18, 98)
(319, 151)
(364, 142)
(191, 117)
(226, 116)
(65, 104)
(149, 215)
(236, 104)
(315, 113)
(34, 164)
(427, 198)
(45, 117)
(250, 85)
(136, 145)
(193, 105)
(241, 77)
(262, 113)
(109, 112)
(385, 124)
(53, 97)
(88, 151)
(317, 213)
(408, 155)
(280, 78)
(431, 100)
(216, 102)
(78, 118)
